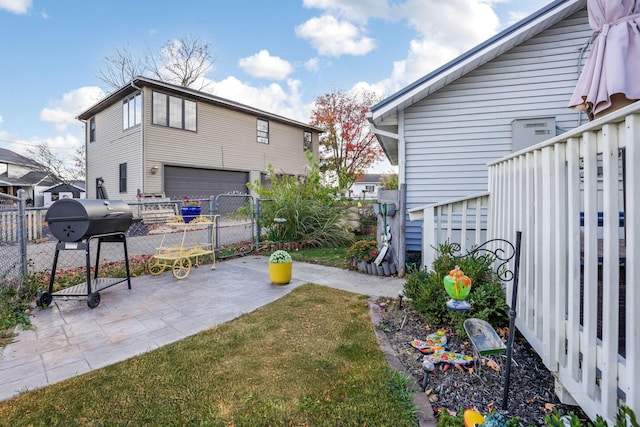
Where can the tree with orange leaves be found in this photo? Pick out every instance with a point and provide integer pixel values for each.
(347, 146)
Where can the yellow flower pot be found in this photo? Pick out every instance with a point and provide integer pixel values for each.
(280, 274)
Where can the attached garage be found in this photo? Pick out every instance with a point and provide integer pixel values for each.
(198, 182)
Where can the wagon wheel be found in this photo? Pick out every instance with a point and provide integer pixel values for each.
(181, 268)
(155, 267)
(43, 299)
(93, 299)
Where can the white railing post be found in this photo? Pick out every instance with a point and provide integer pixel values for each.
(632, 262)
(571, 278)
(428, 237)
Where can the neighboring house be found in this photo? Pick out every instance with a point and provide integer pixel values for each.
(74, 190)
(366, 185)
(508, 93)
(19, 172)
(153, 137)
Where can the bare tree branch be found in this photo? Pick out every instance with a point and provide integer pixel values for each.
(120, 68)
(54, 166)
(183, 61)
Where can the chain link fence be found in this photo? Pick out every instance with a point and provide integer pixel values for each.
(13, 240)
(234, 234)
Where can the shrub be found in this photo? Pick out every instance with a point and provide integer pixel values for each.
(362, 250)
(280, 257)
(487, 297)
(303, 209)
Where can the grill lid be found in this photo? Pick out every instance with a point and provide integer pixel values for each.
(71, 220)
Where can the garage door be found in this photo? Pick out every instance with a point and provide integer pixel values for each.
(195, 182)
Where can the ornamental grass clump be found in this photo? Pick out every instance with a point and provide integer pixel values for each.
(280, 257)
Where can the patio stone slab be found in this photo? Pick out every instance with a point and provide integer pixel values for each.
(70, 339)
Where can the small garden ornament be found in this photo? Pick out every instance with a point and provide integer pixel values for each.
(457, 285)
(280, 267)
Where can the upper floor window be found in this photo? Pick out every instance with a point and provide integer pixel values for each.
(174, 112)
(132, 111)
(307, 143)
(263, 131)
(92, 129)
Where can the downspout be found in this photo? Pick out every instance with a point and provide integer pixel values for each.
(86, 155)
(402, 187)
(144, 153)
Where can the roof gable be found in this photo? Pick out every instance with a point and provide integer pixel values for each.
(139, 82)
(8, 156)
(386, 110)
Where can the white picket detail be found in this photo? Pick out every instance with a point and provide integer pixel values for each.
(9, 225)
(461, 221)
(542, 192)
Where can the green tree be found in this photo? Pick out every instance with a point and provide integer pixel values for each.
(347, 146)
(390, 181)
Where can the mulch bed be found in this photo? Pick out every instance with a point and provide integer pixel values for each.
(531, 387)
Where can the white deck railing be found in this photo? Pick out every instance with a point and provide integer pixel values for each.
(575, 198)
(577, 297)
(463, 221)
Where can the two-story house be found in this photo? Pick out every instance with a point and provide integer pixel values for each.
(154, 137)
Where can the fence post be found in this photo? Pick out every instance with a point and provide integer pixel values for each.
(257, 220)
(22, 235)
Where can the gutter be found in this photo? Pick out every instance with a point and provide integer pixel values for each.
(144, 153)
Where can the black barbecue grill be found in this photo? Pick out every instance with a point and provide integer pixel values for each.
(76, 223)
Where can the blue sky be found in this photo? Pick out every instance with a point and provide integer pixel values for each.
(274, 55)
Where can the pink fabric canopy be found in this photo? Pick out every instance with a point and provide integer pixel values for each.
(613, 65)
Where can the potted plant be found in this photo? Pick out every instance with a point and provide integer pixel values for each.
(362, 253)
(280, 267)
(189, 209)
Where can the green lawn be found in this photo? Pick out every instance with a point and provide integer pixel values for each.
(310, 358)
(333, 257)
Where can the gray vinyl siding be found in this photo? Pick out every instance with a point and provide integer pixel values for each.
(452, 134)
(114, 146)
(225, 139)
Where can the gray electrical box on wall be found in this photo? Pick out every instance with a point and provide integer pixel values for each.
(528, 132)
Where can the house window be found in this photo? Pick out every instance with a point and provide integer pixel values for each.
(122, 178)
(307, 143)
(174, 112)
(263, 131)
(369, 188)
(132, 111)
(92, 129)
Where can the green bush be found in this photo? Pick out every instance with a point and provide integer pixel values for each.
(303, 209)
(487, 297)
(362, 250)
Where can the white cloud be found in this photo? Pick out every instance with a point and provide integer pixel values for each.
(63, 112)
(312, 64)
(457, 24)
(64, 146)
(1, 120)
(263, 65)
(332, 37)
(16, 6)
(360, 10)
(273, 98)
